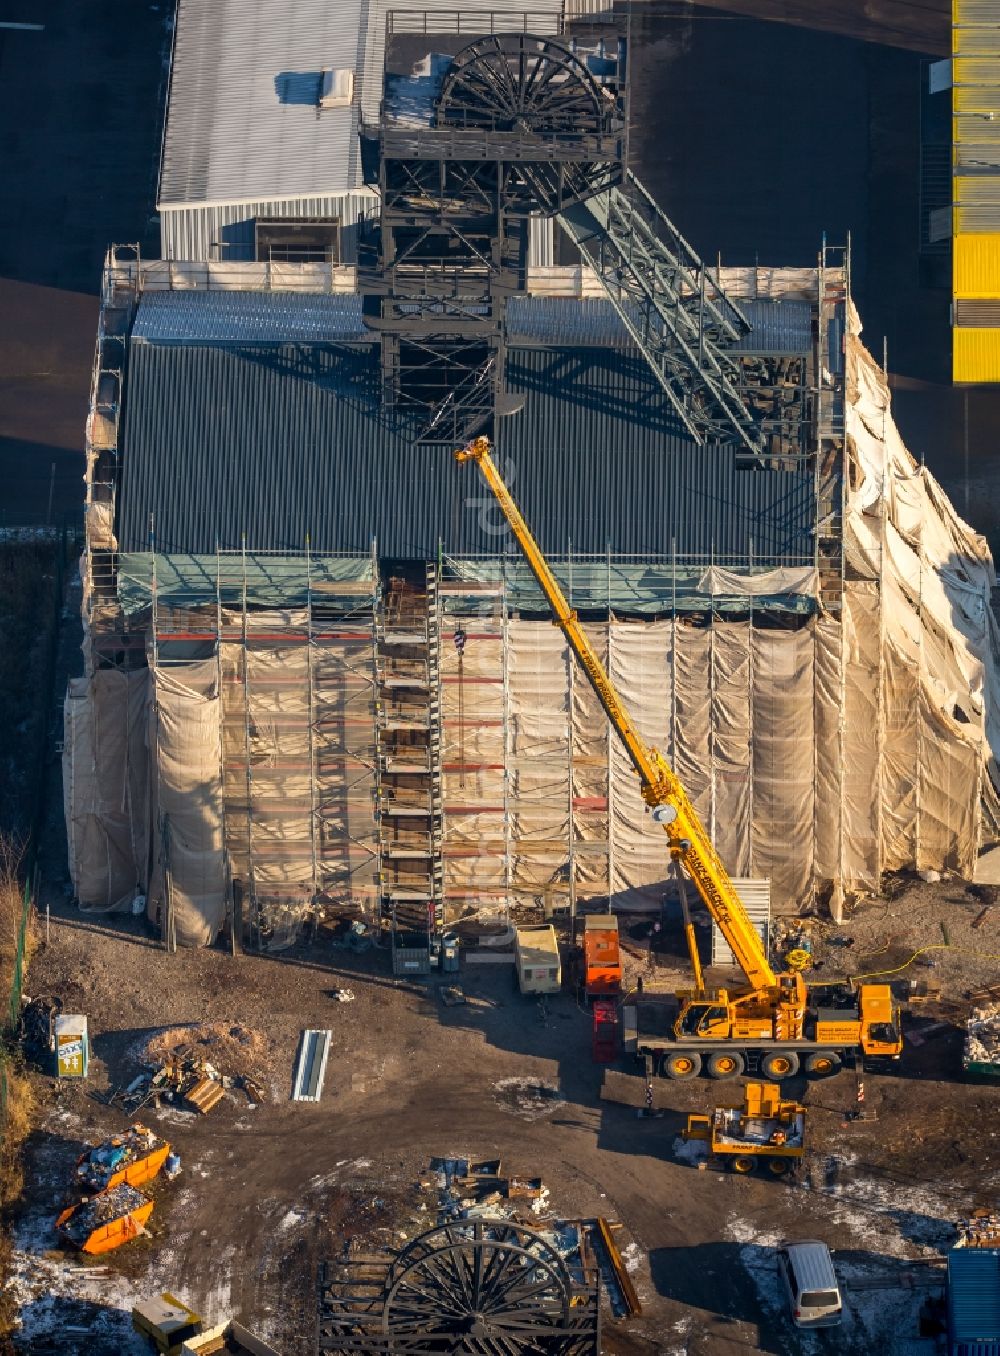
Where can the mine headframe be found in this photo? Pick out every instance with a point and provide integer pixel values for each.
(480, 142)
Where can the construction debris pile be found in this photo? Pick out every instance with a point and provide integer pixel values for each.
(133, 1157)
(469, 1189)
(195, 1066)
(979, 1230)
(105, 1221)
(982, 1040)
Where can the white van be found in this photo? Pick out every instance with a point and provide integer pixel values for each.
(807, 1271)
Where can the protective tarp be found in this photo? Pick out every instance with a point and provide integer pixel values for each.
(921, 675)
(262, 579)
(105, 787)
(717, 581)
(298, 758)
(188, 893)
(473, 760)
(648, 587)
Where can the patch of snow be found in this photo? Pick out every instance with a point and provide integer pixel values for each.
(690, 1150)
(632, 1258)
(529, 1098)
(292, 1219)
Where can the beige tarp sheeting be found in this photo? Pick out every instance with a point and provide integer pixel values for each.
(188, 891)
(820, 751)
(298, 745)
(921, 674)
(105, 786)
(765, 583)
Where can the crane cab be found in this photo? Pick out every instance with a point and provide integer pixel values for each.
(881, 1029)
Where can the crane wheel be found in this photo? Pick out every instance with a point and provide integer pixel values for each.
(725, 1064)
(779, 1064)
(744, 1164)
(681, 1066)
(778, 1167)
(823, 1064)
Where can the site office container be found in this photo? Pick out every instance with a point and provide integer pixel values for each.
(602, 964)
(974, 1302)
(536, 955)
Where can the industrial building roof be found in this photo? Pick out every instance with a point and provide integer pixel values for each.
(247, 317)
(243, 119)
(287, 442)
(292, 317)
(974, 1299)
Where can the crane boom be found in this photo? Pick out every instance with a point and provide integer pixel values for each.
(661, 788)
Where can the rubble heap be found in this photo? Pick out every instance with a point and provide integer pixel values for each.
(94, 1212)
(982, 1036)
(106, 1162)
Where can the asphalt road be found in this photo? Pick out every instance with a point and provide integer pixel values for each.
(80, 122)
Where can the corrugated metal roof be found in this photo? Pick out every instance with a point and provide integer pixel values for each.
(247, 317)
(775, 326)
(974, 1295)
(292, 317)
(285, 442)
(242, 116)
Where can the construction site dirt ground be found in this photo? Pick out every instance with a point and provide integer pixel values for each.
(265, 1193)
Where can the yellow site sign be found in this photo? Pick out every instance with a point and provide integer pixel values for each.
(72, 1046)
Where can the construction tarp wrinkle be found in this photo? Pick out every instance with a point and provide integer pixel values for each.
(188, 894)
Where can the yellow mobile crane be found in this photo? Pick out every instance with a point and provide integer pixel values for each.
(775, 1019)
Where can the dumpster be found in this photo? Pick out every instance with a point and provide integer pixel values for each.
(133, 1157)
(105, 1221)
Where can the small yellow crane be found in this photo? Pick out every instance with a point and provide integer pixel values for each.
(774, 1010)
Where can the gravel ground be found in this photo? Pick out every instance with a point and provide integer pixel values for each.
(266, 1193)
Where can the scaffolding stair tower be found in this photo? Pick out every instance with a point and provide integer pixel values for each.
(408, 787)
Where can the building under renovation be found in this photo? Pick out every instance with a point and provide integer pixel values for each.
(320, 681)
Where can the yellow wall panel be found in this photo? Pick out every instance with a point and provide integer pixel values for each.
(976, 265)
(976, 355)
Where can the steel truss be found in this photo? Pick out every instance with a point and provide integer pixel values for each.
(483, 1287)
(521, 125)
(671, 305)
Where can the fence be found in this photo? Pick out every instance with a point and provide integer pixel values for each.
(29, 865)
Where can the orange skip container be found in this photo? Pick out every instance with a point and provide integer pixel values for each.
(105, 1221)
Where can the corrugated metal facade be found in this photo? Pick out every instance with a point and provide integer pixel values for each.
(976, 354)
(976, 210)
(226, 230)
(974, 1301)
(976, 265)
(281, 443)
